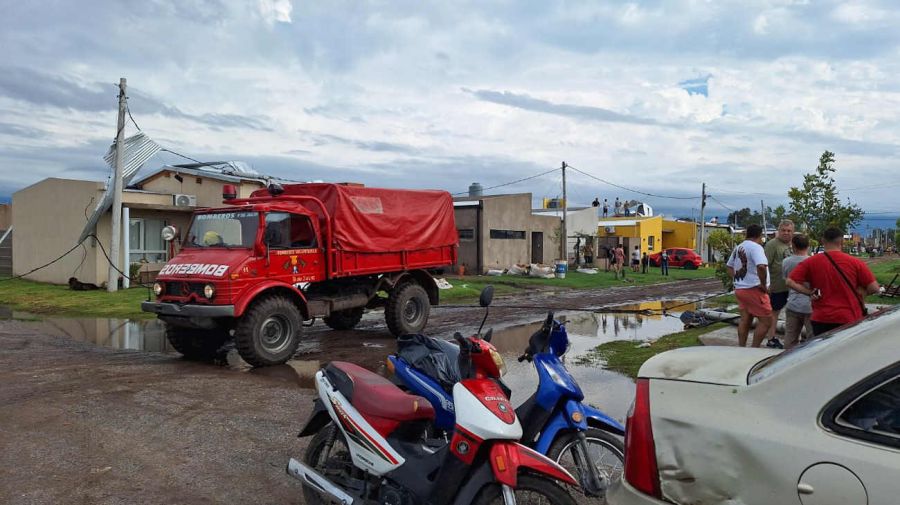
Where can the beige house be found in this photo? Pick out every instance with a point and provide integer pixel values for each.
(497, 231)
(49, 216)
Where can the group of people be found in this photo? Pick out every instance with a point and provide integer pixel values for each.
(616, 261)
(619, 208)
(818, 293)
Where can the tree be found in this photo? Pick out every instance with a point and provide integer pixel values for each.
(746, 217)
(722, 243)
(816, 203)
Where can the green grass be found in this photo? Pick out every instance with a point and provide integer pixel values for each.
(467, 288)
(625, 357)
(885, 271)
(50, 299)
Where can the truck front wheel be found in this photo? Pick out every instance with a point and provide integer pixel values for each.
(407, 309)
(344, 319)
(195, 344)
(269, 332)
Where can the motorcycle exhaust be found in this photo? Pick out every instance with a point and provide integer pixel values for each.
(312, 478)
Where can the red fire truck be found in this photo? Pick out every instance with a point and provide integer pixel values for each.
(262, 267)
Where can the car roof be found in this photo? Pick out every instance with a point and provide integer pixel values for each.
(861, 347)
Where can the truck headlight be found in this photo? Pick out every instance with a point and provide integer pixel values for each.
(157, 288)
(209, 291)
(169, 233)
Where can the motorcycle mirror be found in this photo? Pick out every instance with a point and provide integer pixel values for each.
(487, 295)
(488, 335)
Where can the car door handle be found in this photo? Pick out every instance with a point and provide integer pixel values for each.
(804, 488)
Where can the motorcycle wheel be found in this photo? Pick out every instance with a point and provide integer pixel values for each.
(336, 466)
(604, 449)
(530, 490)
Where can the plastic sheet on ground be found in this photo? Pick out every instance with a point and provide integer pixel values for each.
(541, 271)
(517, 270)
(494, 272)
(589, 271)
(443, 284)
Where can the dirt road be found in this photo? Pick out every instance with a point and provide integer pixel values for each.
(85, 424)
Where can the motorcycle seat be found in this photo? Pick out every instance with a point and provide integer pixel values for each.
(373, 395)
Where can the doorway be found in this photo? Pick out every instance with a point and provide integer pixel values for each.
(537, 247)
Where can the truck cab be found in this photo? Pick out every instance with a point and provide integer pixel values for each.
(261, 268)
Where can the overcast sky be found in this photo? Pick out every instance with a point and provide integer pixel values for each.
(657, 96)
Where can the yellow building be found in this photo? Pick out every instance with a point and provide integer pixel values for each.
(646, 232)
(652, 234)
(679, 234)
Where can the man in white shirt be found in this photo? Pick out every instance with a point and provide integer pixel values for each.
(749, 269)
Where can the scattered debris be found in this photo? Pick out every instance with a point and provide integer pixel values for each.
(443, 284)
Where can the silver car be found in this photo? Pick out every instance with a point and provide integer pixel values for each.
(816, 425)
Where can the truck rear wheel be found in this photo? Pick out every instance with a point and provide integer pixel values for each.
(407, 309)
(196, 344)
(344, 319)
(269, 332)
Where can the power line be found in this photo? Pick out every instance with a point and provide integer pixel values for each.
(720, 203)
(488, 188)
(632, 190)
(179, 154)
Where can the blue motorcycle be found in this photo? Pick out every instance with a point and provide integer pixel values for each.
(554, 420)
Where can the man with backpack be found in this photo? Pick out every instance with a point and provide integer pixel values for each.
(836, 282)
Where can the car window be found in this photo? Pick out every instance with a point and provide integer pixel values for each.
(877, 411)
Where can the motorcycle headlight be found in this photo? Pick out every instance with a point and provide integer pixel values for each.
(157, 288)
(209, 291)
(498, 360)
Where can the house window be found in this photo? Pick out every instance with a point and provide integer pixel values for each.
(145, 241)
(508, 234)
(466, 234)
(651, 240)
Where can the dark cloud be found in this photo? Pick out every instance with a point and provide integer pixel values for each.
(365, 145)
(583, 112)
(40, 88)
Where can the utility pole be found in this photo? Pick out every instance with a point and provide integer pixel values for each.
(563, 246)
(112, 285)
(702, 222)
(762, 209)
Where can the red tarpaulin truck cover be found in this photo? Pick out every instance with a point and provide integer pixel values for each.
(382, 220)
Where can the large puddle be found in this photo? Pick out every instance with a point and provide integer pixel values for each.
(610, 391)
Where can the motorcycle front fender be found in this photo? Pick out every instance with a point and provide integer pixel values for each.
(599, 420)
(563, 420)
(317, 420)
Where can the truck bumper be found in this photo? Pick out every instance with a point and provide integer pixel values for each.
(190, 311)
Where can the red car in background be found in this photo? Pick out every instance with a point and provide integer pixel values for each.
(678, 257)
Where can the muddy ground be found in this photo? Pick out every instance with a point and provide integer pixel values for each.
(86, 424)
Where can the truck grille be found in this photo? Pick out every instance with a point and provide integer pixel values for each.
(178, 288)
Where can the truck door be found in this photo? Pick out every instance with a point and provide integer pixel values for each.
(295, 253)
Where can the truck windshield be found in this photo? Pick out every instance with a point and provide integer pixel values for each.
(223, 229)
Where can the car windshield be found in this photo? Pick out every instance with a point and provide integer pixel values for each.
(223, 229)
(813, 347)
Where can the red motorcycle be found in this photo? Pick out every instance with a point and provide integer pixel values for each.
(370, 443)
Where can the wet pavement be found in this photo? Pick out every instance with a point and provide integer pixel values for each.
(104, 411)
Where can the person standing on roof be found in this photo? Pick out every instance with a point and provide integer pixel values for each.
(617, 207)
(627, 209)
(836, 282)
(605, 208)
(595, 203)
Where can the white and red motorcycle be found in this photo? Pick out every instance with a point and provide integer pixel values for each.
(370, 445)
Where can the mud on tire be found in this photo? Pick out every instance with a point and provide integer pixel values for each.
(196, 344)
(269, 332)
(407, 309)
(344, 319)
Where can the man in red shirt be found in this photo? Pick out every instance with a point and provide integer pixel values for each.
(837, 284)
